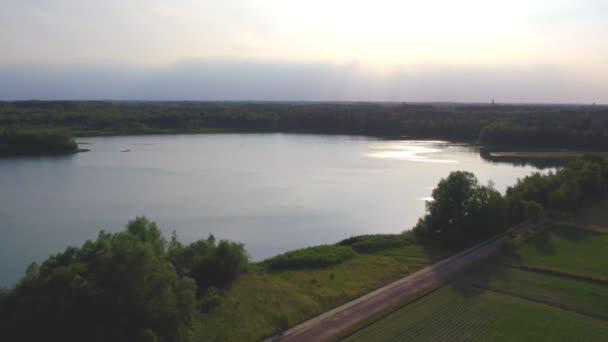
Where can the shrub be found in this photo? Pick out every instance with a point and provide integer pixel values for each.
(209, 263)
(211, 299)
(282, 323)
(377, 242)
(318, 256)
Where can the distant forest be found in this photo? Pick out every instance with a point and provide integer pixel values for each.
(555, 126)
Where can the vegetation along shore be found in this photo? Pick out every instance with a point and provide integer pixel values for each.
(136, 284)
(530, 126)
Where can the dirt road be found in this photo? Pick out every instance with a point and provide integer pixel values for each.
(346, 316)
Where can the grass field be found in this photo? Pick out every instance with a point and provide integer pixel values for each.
(585, 297)
(572, 251)
(457, 313)
(261, 299)
(551, 288)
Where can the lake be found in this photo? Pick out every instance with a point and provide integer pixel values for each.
(273, 192)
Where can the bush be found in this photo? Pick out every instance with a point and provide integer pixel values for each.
(318, 256)
(282, 323)
(211, 299)
(377, 242)
(209, 263)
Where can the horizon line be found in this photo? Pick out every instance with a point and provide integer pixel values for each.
(438, 102)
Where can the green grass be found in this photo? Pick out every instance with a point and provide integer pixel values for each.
(458, 313)
(571, 251)
(255, 304)
(561, 299)
(581, 296)
(378, 242)
(317, 256)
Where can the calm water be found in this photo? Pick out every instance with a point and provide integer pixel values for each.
(274, 192)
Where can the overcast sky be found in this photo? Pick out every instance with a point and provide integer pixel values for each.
(401, 50)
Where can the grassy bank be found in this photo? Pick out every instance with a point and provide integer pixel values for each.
(263, 300)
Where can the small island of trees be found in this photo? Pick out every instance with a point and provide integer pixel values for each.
(23, 142)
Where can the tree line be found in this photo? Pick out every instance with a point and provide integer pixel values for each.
(464, 212)
(519, 125)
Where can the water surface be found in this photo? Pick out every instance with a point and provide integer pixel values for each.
(274, 192)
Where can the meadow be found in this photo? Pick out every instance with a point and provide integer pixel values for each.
(566, 250)
(585, 297)
(263, 300)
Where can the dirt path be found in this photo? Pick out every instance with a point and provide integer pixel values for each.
(346, 316)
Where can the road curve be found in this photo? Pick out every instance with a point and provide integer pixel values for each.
(346, 316)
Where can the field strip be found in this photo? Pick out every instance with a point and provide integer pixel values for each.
(556, 273)
(446, 317)
(537, 300)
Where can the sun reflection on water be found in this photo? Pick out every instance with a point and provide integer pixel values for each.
(407, 150)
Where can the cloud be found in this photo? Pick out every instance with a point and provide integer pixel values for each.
(248, 79)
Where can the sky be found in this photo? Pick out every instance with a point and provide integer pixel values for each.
(543, 51)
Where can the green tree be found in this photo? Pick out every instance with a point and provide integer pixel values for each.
(462, 211)
(120, 287)
(211, 264)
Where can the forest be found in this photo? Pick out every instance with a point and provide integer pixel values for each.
(20, 142)
(529, 126)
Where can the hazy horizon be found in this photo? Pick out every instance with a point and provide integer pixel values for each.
(253, 50)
